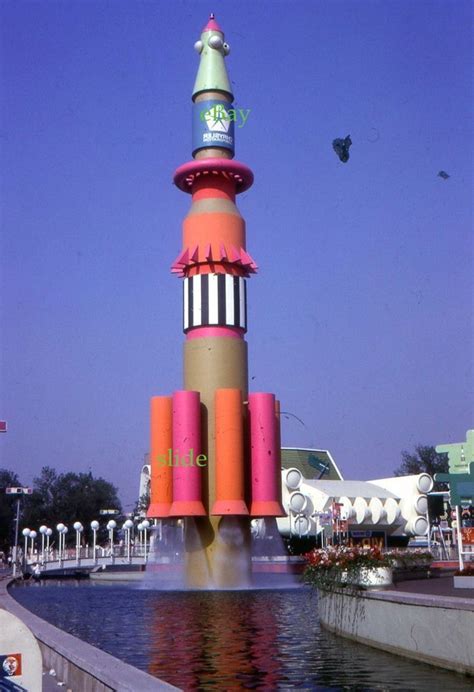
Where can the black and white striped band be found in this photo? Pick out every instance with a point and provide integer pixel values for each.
(215, 299)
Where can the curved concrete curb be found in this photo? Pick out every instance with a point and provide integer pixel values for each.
(81, 666)
(406, 624)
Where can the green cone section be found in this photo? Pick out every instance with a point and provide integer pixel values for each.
(212, 73)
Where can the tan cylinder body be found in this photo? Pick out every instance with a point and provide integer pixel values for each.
(215, 546)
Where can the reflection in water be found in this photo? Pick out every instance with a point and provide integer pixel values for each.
(205, 645)
(231, 640)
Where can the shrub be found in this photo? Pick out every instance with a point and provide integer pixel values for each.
(468, 571)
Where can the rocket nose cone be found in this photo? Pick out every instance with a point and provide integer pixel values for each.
(212, 25)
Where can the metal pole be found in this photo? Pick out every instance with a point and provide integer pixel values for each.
(25, 556)
(15, 547)
(111, 539)
(459, 536)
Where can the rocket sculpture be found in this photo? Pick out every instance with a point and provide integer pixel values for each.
(215, 449)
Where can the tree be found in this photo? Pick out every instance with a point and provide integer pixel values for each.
(7, 508)
(68, 497)
(141, 505)
(425, 460)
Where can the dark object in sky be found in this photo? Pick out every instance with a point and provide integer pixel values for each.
(341, 147)
(444, 175)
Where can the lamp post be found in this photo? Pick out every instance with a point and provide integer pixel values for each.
(64, 532)
(60, 528)
(78, 528)
(140, 537)
(42, 530)
(33, 535)
(146, 526)
(316, 518)
(128, 525)
(111, 525)
(49, 533)
(94, 527)
(25, 533)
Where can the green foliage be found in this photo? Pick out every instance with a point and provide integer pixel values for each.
(66, 498)
(425, 460)
(142, 504)
(410, 559)
(7, 508)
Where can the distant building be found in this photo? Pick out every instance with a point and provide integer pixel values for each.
(144, 484)
(311, 462)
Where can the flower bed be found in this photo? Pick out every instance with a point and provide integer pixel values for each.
(411, 559)
(339, 566)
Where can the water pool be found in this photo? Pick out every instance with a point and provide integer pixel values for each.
(230, 640)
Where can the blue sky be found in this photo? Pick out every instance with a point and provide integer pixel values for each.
(360, 318)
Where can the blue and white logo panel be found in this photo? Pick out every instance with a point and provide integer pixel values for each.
(213, 125)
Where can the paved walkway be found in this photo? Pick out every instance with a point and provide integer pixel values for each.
(436, 586)
(51, 683)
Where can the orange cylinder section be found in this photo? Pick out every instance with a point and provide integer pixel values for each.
(229, 454)
(217, 230)
(216, 186)
(161, 443)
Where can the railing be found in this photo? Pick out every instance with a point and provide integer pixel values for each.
(84, 557)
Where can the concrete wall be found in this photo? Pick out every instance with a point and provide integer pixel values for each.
(81, 666)
(432, 629)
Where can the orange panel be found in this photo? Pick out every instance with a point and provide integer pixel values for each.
(216, 229)
(229, 469)
(161, 442)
